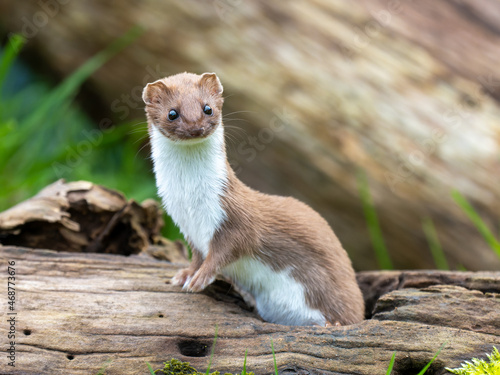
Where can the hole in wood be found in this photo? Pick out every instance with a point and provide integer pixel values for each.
(193, 348)
(27, 332)
(70, 357)
(160, 315)
(410, 366)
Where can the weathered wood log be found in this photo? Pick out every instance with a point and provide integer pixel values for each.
(84, 217)
(78, 312)
(407, 90)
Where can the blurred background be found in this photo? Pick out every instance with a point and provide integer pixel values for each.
(382, 115)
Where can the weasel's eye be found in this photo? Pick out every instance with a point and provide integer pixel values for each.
(173, 114)
(207, 110)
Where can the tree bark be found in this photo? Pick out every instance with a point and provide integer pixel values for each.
(78, 312)
(407, 91)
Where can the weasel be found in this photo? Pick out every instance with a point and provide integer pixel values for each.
(278, 249)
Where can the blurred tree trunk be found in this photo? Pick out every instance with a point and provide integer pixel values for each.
(407, 91)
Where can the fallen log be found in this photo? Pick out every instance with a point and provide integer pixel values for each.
(78, 312)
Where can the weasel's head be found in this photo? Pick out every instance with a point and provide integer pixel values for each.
(185, 107)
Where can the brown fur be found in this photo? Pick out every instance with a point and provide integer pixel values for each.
(284, 232)
(281, 232)
(187, 94)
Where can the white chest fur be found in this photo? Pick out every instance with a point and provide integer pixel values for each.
(190, 180)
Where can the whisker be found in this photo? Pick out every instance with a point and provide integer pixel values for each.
(232, 127)
(141, 139)
(231, 137)
(235, 129)
(139, 123)
(227, 121)
(137, 131)
(235, 112)
(142, 148)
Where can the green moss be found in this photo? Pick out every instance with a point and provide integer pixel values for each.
(176, 367)
(480, 366)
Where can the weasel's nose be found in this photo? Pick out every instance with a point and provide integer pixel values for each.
(196, 132)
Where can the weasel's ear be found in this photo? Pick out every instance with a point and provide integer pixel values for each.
(153, 92)
(212, 83)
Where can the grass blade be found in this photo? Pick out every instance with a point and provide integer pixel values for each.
(376, 236)
(477, 221)
(391, 364)
(244, 372)
(274, 358)
(432, 360)
(150, 369)
(213, 350)
(435, 245)
(14, 45)
(54, 103)
(70, 85)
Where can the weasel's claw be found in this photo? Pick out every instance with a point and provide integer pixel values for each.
(199, 282)
(182, 277)
(186, 283)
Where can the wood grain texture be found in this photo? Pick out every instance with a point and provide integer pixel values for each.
(407, 90)
(83, 217)
(77, 311)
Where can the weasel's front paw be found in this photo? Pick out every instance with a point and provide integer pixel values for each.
(199, 281)
(182, 277)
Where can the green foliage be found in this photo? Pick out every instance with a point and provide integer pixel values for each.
(69, 87)
(480, 366)
(52, 133)
(477, 221)
(14, 45)
(45, 136)
(383, 258)
(435, 245)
